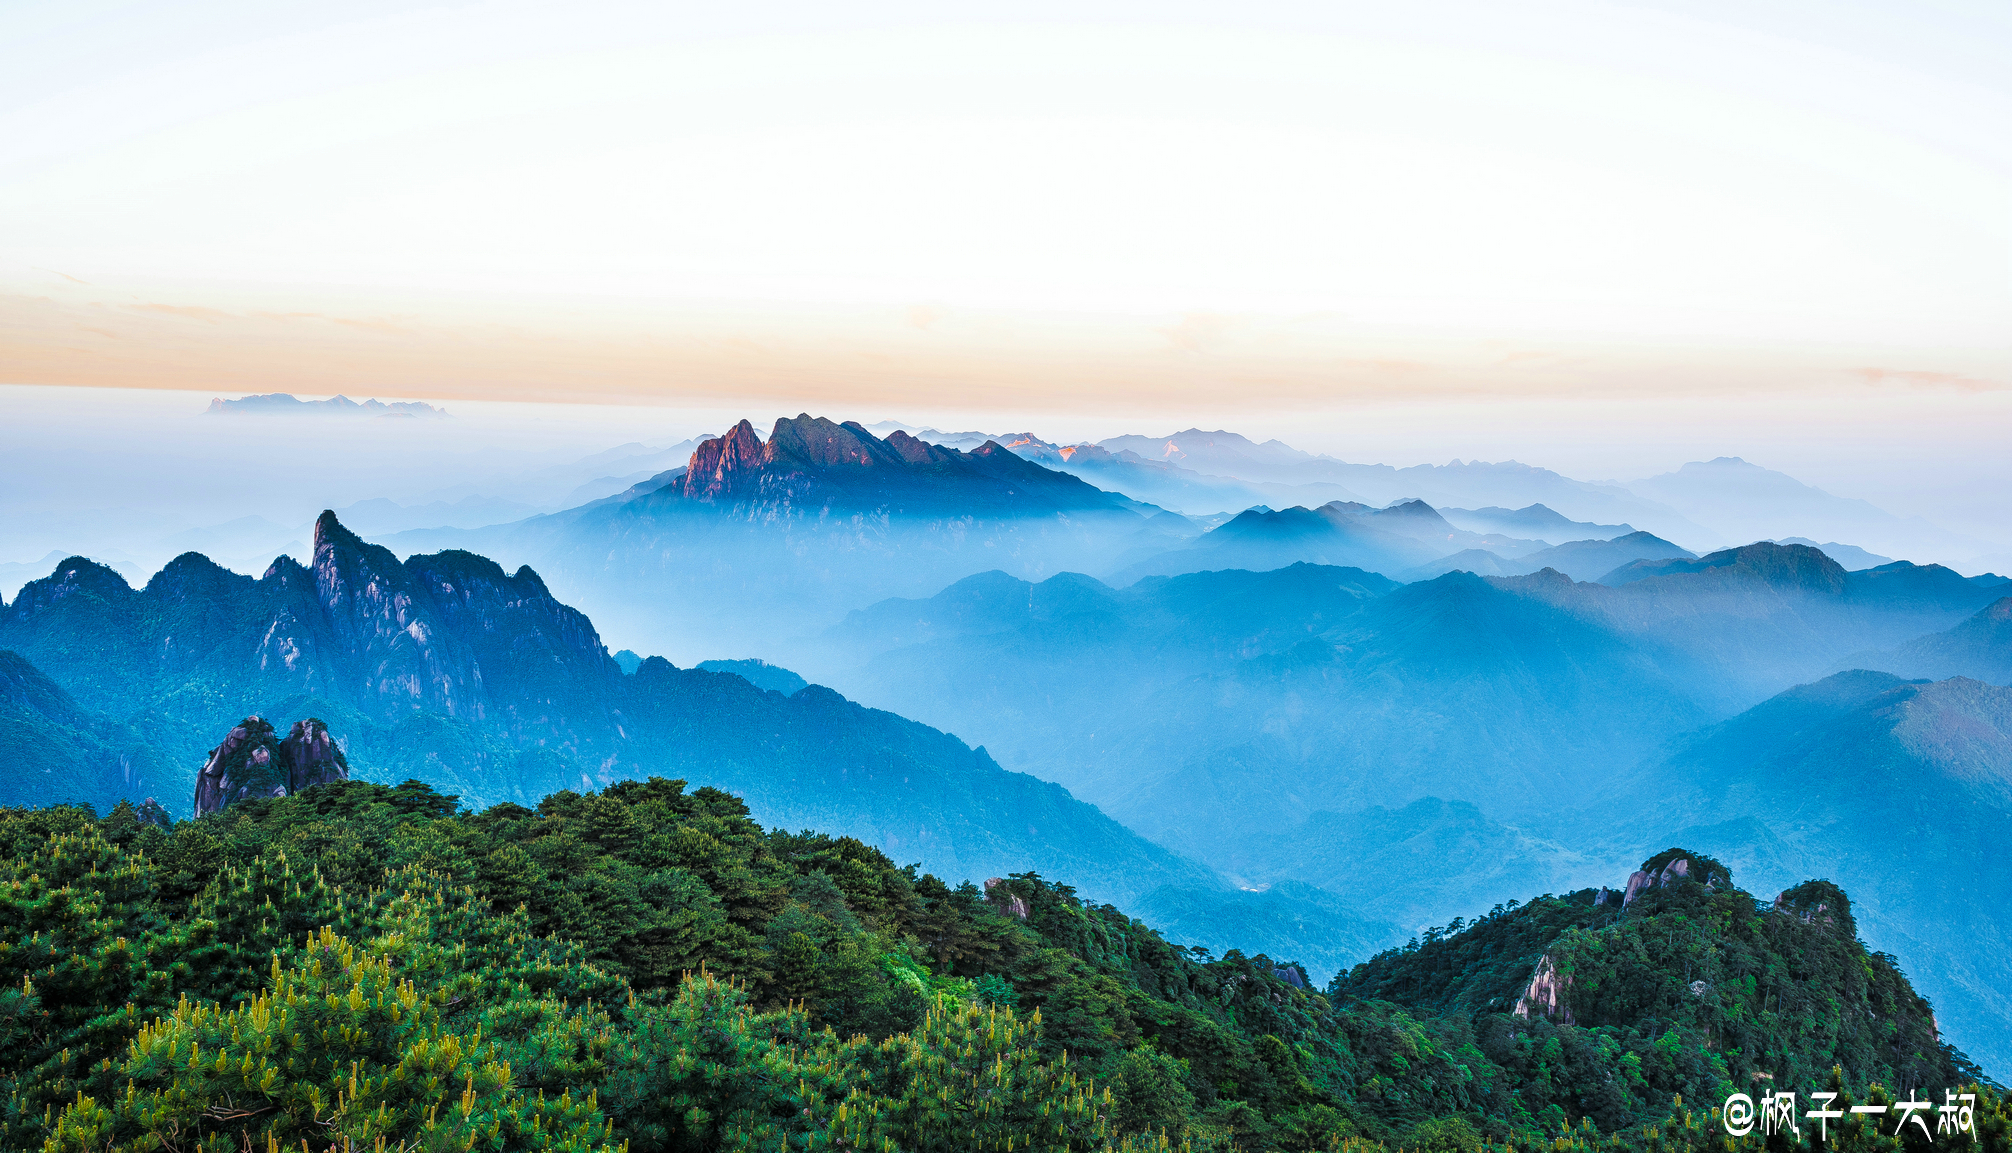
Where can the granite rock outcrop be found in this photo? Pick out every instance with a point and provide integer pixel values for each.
(252, 762)
(999, 893)
(1642, 880)
(1545, 995)
(810, 463)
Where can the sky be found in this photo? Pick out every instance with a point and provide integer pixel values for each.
(1604, 237)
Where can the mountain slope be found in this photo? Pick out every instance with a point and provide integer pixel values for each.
(1262, 539)
(1900, 791)
(1781, 990)
(1411, 864)
(448, 669)
(58, 753)
(1447, 688)
(1214, 711)
(1979, 648)
(647, 968)
(1591, 559)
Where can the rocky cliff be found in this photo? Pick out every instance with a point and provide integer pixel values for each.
(451, 633)
(449, 669)
(1545, 995)
(252, 762)
(813, 463)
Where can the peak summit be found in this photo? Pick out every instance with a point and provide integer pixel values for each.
(812, 460)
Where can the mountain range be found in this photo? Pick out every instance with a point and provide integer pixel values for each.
(760, 542)
(1741, 501)
(1327, 687)
(1311, 724)
(1213, 706)
(791, 532)
(286, 404)
(1582, 560)
(446, 667)
(1321, 725)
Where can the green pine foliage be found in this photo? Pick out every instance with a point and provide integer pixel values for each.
(365, 967)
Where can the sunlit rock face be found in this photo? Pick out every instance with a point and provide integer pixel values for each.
(810, 462)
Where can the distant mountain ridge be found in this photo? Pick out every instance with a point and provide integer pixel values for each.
(1532, 520)
(1740, 625)
(1980, 648)
(286, 404)
(449, 669)
(1850, 556)
(1739, 500)
(812, 461)
(822, 509)
(759, 540)
(1404, 539)
(1457, 483)
(1582, 560)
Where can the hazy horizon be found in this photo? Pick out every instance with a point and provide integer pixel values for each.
(137, 476)
(1601, 239)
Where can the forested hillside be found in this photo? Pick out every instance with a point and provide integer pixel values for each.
(361, 966)
(1900, 791)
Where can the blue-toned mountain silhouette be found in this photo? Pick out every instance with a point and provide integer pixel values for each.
(451, 670)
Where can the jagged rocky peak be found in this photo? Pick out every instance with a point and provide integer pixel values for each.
(253, 762)
(1670, 867)
(810, 462)
(73, 575)
(723, 466)
(817, 441)
(716, 463)
(1818, 903)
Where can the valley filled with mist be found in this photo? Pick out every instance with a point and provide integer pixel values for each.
(1264, 698)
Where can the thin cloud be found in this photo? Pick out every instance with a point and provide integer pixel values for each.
(1195, 330)
(188, 311)
(1918, 378)
(371, 325)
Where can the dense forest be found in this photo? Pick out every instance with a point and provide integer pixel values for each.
(370, 967)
